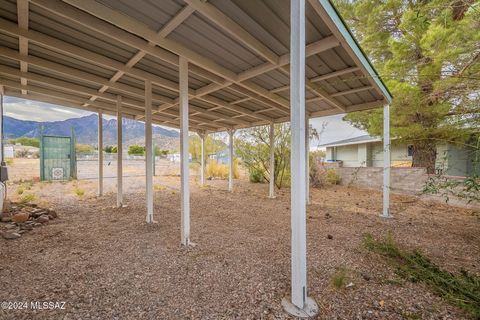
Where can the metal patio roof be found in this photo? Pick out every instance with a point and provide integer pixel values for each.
(84, 53)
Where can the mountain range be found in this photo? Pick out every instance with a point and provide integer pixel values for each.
(86, 131)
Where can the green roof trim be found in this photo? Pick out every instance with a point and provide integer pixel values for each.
(352, 42)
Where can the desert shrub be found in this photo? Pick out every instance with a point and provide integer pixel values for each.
(27, 198)
(216, 170)
(160, 152)
(341, 278)
(194, 166)
(256, 175)
(110, 149)
(136, 150)
(84, 148)
(332, 176)
(9, 162)
(79, 191)
(317, 175)
(461, 289)
(22, 153)
(219, 170)
(321, 176)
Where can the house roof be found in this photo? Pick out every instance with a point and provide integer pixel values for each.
(86, 53)
(357, 140)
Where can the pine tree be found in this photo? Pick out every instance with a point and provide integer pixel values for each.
(428, 52)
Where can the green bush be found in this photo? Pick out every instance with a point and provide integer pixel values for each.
(256, 175)
(84, 148)
(160, 152)
(136, 150)
(110, 149)
(333, 177)
(24, 141)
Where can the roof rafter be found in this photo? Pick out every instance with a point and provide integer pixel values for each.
(184, 13)
(124, 22)
(22, 17)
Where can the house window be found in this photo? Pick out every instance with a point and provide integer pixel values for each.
(410, 151)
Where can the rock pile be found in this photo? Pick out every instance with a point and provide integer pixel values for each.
(19, 219)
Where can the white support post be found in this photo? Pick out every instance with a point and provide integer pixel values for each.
(231, 132)
(119, 153)
(202, 159)
(148, 150)
(386, 162)
(271, 193)
(307, 159)
(184, 155)
(298, 304)
(100, 153)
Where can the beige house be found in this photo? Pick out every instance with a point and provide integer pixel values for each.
(367, 151)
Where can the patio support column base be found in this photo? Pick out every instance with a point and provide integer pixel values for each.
(310, 309)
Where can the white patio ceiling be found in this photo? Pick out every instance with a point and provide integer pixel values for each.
(84, 53)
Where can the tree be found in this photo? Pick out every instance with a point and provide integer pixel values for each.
(212, 145)
(253, 147)
(25, 141)
(160, 152)
(428, 52)
(84, 148)
(110, 149)
(136, 150)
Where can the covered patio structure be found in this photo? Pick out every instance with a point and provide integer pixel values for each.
(202, 66)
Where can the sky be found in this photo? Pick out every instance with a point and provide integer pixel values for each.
(38, 111)
(334, 127)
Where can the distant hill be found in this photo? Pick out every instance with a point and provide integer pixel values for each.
(86, 130)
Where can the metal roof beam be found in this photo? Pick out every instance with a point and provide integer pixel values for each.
(109, 30)
(22, 17)
(85, 55)
(131, 25)
(79, 74)
(166, 29)
(234, 29)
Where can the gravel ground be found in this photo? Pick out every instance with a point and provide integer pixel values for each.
(106, 263)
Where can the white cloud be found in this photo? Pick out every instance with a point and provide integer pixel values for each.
(38, 111)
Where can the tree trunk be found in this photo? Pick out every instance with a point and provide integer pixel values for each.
(425, 155)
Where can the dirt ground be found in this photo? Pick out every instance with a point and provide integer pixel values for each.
(107, 263)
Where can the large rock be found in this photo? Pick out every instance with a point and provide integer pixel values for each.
(20, 217)
(38, 212)
(52, 213)
(11, 235)
(43, 219)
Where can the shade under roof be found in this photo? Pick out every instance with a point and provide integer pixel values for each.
(84, 53)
